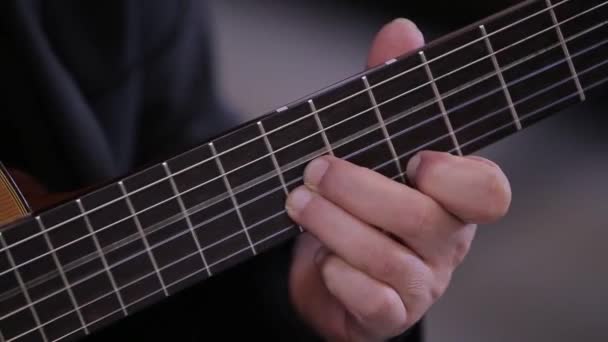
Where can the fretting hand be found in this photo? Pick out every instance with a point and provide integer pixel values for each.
(378, 254)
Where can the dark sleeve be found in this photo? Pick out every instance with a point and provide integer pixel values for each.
(181, 105)
(182, 108)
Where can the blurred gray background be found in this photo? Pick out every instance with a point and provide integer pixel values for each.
(538, 275)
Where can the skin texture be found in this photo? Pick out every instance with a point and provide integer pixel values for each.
(377, 254)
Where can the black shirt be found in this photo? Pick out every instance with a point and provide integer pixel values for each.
(94, 90)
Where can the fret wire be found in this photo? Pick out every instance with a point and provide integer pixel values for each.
(61, 272)
(440, 103)
(273, 157)
(24, 290)
(588, 30)
(313, 110)
(186, 216)
(465, 144)
(103, 258)
(2, 339)
(390, 161)
(565, 49)
(378, 84)
(143, 236)
(501, 78)
(232, 197)
(380, 119)
(275, 162)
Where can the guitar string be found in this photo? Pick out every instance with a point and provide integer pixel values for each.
(375, 168)
(244, 204)
(344, 99)
(358, 135)
(399, 174)
(58, 225)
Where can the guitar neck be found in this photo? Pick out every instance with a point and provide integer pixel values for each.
(75, 268)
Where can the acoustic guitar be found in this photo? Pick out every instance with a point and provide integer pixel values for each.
(75, 266)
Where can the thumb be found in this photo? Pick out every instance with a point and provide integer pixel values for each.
(394, 39)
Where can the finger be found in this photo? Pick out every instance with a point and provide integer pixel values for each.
(365, 248)
(472, 188)
(309, 291)
(377, 309)
(394, 39)
(410, 215)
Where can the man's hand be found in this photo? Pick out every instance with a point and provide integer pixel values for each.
(378, 254)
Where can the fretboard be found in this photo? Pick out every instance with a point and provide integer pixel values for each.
(73, 269)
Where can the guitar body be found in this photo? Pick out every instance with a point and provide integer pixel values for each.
(21, 195)
(13, 205)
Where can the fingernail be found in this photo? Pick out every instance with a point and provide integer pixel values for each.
(410, 27)
(298, 199)
(406, 22)
(314, 172)
(483, 160)
(412, 167)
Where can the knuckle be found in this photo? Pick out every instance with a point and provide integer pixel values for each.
(421, 216)
(417, 219)
(389, 267)
(394, 264)
(419, 293)
(418, 284)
